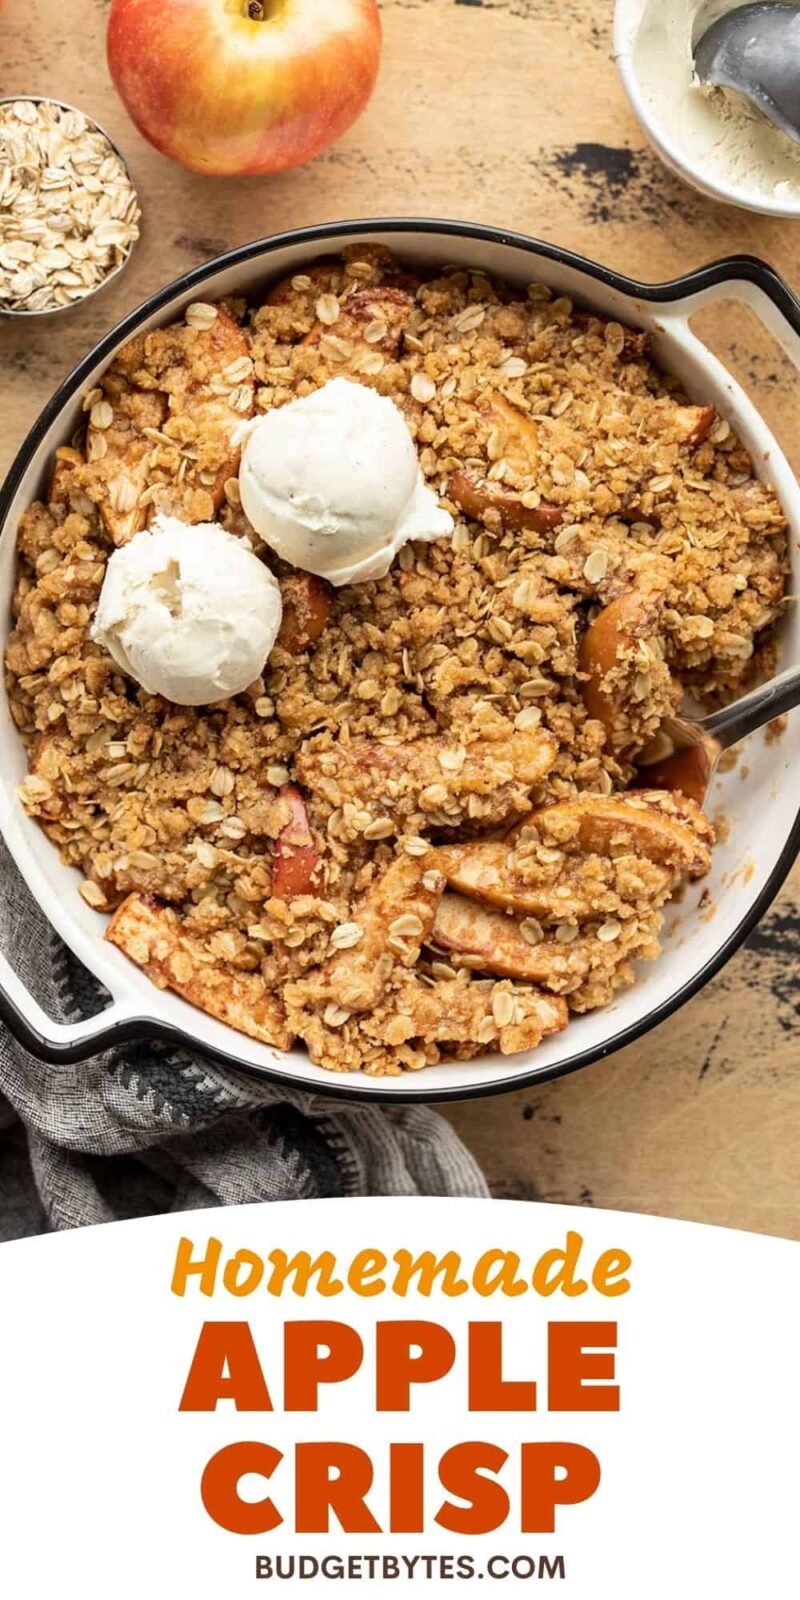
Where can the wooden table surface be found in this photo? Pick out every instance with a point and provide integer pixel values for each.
(508, 112)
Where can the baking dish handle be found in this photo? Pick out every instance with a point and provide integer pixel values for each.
(758, 286)
(63, 1043)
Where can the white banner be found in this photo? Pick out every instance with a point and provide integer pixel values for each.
(389, 1393)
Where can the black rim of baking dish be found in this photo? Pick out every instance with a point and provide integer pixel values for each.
(750, 269)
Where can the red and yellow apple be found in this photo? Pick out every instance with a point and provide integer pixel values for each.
(244, 86)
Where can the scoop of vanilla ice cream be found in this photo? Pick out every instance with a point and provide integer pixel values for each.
(188, 612)
(333, 484)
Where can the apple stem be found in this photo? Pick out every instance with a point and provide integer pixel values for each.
(254, 9)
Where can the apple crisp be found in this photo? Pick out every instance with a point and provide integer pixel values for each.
(420, 834)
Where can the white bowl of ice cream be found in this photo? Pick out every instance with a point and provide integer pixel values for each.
(716, 140)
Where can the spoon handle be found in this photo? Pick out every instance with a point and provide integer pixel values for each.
(755, 709)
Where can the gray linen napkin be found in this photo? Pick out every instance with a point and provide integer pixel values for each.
(145, 1129)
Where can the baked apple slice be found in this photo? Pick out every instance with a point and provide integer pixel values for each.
(62, 478)
(44, 793)
(475, 496)
(487, 869)
(184, 389)
(590, 968)
(521, 447)
(485, 940)
(687, 772)
(669, 830)
(620, 644)
(383, 312)
(448, 1012)
(688, 425)
(307, 605)
(305, 285)
(151, 935)
(432, 776)
(296, 862)
(573, 888)
(387, 930)
(327, 275)
(368, 322)
(117, 471)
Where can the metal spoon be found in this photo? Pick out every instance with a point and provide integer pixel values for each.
(697, 743)
(756, 50)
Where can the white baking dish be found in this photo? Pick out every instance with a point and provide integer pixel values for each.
(760, 800)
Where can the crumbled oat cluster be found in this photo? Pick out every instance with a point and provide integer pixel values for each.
(419, 834)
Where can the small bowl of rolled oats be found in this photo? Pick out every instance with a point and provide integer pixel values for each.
(69, 214)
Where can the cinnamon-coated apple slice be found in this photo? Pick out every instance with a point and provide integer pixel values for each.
(48, 796)
(382, 266)
(65, 462)
(327, 275)
(296, 863)
(669, 830)
(165, 388)
(687, 772)
(588, 968)
(521, 436)
(477, 496)
(449, 1012)
(370, 321)
(307, 607)
(152, 936)
(388, 926)
(607, 656)
(119, 451)
(364, 311)
(486, 869)
(430, 772)
(485, 940)
(689, 424)
(489, 870)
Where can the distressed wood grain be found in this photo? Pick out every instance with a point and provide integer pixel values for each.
(508, 112)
